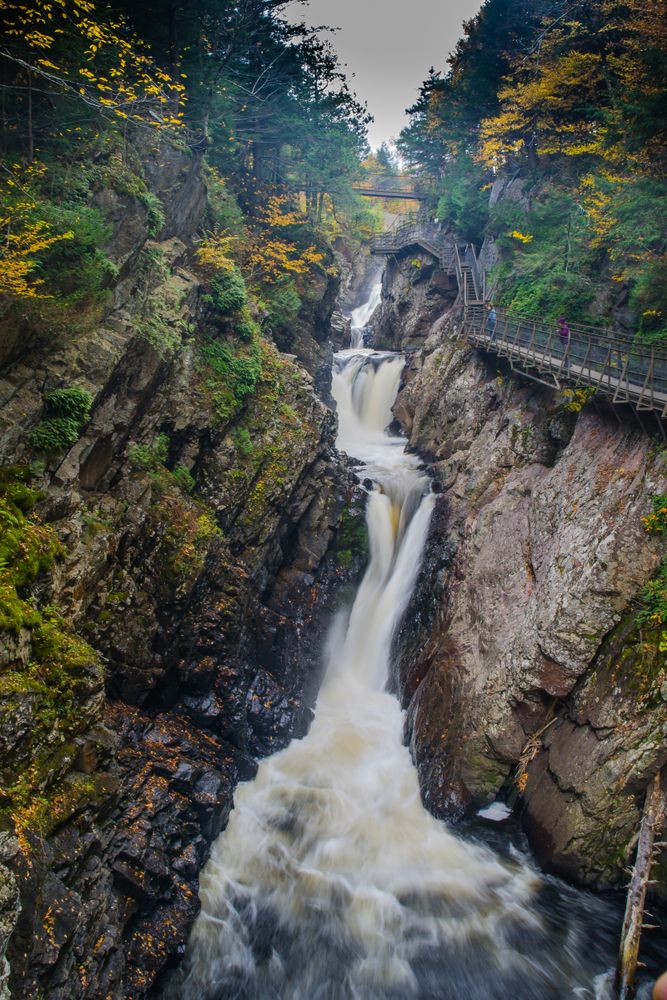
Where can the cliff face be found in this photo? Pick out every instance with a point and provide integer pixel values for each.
(149, 644)
(519, 661)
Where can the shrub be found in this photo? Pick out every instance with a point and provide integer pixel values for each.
(183, 478)
(246, 327)
(243, 442)
(228, 292)
(55, 434)
(236, 374)
(154, 212)
(66, 412)
(149, 457)
(73, 403)
(655, 523)
(77, 270)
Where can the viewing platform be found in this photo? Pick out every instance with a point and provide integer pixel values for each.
(623, 369)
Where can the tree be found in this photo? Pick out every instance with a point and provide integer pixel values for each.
(71, 51)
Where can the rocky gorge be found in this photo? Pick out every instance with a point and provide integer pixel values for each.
(520, 664)
(164, 571)
(175, 569)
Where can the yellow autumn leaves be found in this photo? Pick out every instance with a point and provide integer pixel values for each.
(22, 238)
(93, 56)
(264, 253)
(561, 96)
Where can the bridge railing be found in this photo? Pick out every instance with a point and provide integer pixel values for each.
(626, 370)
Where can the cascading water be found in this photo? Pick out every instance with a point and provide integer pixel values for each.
(331, 881)
(362, 314)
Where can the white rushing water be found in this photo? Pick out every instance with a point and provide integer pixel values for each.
(331, 879)
(360, 316)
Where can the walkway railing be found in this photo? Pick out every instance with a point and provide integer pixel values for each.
(622, 369)
(391, 186)
(619, 367)
(416, 231)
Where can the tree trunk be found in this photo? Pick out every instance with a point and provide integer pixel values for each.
(31, 138)
(653, 818)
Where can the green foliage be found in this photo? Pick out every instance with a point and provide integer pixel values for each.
(242, 442)
(154, 212)
(73, 403)
(226, 216)
(228, 292)
(655, 523)
(245, 327)
(649, 299)
(183, 478)
(352, 538)
(654, 604)
(149, 457)
(283, 303)
(189, 529)
(464, 202)
(566, 107)
(550, 268)
(27, 548)
(235, 373)
(54, 434)
(66, 412)
(77, 270)
(161, 320)
(63, 670)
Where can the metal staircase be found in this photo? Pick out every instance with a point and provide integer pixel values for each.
(621, 368)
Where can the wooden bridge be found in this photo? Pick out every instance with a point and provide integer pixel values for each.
(415, 232)
(620, 368)
(390, 186)
(404, 194)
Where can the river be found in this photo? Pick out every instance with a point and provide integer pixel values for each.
(331, 881)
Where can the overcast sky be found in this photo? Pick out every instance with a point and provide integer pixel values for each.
(389, 46)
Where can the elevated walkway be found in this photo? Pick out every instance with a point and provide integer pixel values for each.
(620, 368)
(393, 193)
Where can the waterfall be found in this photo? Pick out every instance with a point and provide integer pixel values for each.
(362, 314)
(331, 881)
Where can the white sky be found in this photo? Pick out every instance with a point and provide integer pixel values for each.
(388, 47)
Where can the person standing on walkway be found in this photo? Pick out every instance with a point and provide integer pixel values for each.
(564, 334)
(491, 320)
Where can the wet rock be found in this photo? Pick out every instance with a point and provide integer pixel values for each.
(197, 634)
(536, 554)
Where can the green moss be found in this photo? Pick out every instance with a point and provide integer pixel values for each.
(188, 528)
(352, 534)
(27, 548)
(161, 320)
(42, 814)
(63, 672)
